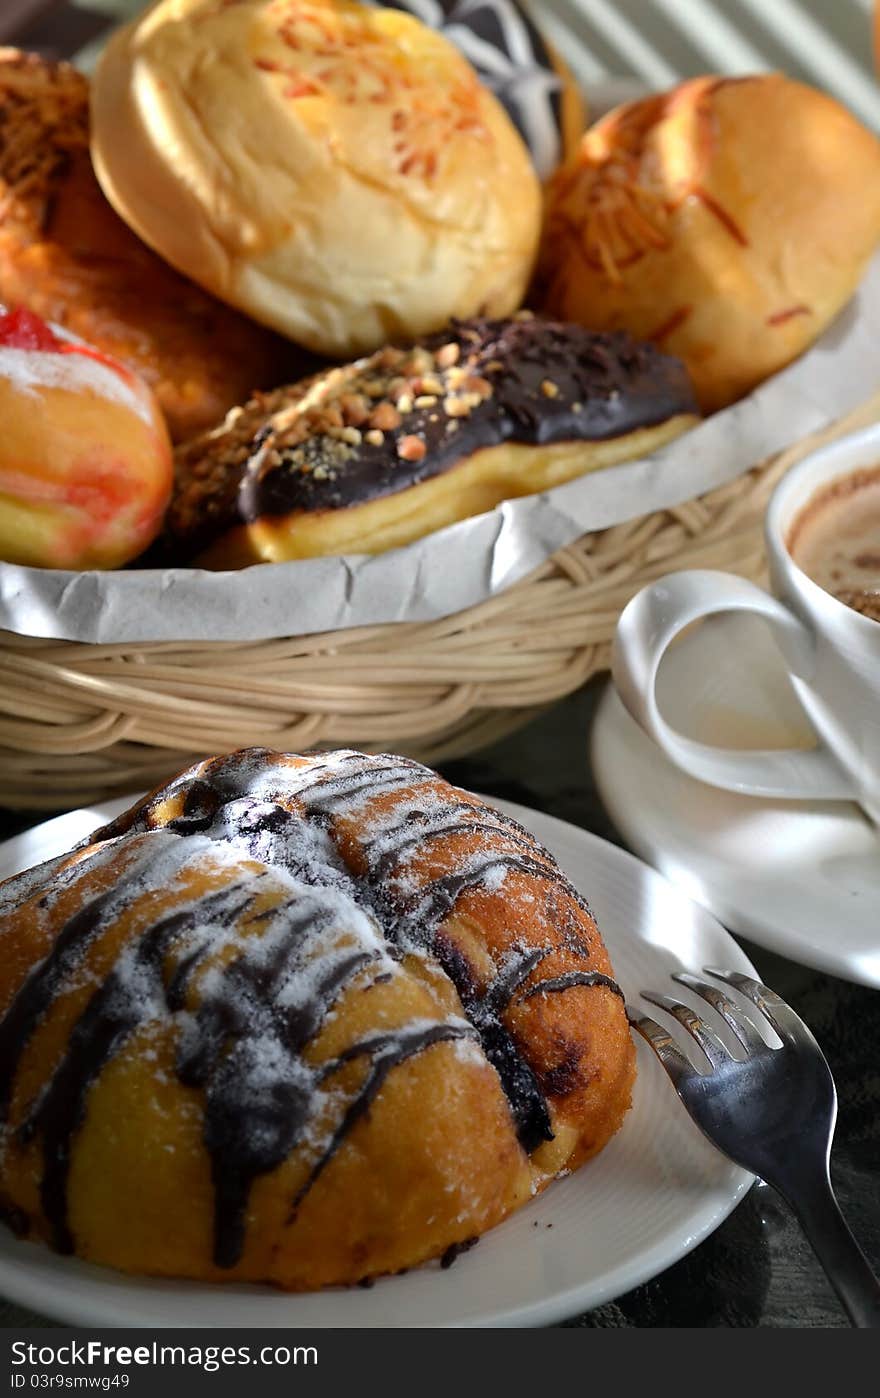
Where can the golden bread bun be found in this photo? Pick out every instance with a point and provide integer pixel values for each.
(85, 459)
(728, 220)
(378, 453)
(68, 257)
(301, 1020)
(334, 170)
(513, 59)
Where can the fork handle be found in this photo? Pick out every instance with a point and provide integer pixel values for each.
(843, 1261)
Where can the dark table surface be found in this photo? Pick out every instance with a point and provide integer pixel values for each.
(756, 1269)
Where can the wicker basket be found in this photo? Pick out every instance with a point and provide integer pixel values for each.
(81, 722)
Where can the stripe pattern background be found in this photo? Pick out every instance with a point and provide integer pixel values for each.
(611, 45)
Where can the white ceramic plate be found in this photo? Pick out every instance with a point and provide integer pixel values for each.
(655, 1192)
(799, 878)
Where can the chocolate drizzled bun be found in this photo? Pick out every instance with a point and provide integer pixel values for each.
(298, 1019)
(380, 452)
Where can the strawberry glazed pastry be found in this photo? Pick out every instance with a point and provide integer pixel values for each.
(85, 458)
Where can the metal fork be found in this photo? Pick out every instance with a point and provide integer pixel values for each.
(772, 1111)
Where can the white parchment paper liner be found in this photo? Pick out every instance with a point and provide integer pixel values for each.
(468, 562)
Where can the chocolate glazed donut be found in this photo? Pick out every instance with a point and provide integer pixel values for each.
(382, 451)
(308, 893)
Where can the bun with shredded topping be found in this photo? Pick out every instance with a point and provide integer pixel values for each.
(335, 170)
(727, 220)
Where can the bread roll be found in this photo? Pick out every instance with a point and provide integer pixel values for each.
(383, 451)
(69, 258)
(301, 1020)
(728, 220)
(336, 171)
(85, 460)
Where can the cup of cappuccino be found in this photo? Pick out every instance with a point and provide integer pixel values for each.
(822, 533)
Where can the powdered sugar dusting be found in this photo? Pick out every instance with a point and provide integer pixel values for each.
(29, 371)
(247, 931)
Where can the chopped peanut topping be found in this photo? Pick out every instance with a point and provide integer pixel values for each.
(385, 417)
(411, 448)
(448, 355)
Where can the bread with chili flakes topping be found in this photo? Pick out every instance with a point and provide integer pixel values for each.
(336, 171)
(67, 257)
(375, 454)
(727, 220)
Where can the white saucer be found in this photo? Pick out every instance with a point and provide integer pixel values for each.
(655, 1192)
(801, 879)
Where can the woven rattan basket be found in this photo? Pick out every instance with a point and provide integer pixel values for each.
(82, 722)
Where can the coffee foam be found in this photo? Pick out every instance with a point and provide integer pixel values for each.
(835, 539)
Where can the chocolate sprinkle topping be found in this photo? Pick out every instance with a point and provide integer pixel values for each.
(453, 1253)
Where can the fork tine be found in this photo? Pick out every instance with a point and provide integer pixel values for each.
(732, 1015)
(781, 1016)
(679, 1068)
(708, 1040)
